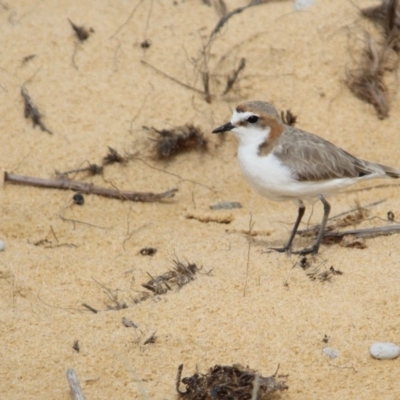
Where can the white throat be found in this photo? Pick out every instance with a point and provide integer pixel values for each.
(248, 135)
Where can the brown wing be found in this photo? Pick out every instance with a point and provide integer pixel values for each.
(312, 158)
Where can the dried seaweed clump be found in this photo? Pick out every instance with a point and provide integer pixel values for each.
(227, 383)
(177, 140)
(367, 82)
(385, 15)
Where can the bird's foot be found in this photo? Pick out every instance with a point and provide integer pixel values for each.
(308, 250)
(285, 249)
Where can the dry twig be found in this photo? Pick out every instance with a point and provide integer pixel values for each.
(87, 188)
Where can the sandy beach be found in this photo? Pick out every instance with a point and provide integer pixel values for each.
(142, 69)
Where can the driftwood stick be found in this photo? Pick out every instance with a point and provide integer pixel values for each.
(87, 188)
(365, 233)
(74, 385)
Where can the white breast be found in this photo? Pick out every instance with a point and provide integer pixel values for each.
(266, 174)
(270, 178)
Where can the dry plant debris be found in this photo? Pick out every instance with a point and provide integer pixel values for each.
(81, 32)
(76, 346)
(32, 112)
(227, 383)
(173, 141)
(113, 157)
(367, 81)
(179, 276)
(324, 276)
(288, 118)
(315, 273)
(353, 241)
(151, 339)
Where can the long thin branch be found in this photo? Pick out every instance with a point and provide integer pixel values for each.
(172, 78)
(364, 233)
(87, 188)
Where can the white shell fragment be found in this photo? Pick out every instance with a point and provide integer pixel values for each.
(302, 4)
(2, 245)
(384, 351)
(330, 352)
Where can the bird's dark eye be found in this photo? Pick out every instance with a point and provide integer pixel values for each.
(252, 119)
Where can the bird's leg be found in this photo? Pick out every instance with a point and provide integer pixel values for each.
(314, 249)
(287, 248)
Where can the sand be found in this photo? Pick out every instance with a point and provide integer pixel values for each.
(245, 306)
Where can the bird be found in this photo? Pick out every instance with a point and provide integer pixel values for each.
(282, 162)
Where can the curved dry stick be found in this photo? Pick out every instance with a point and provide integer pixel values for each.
(87, 188)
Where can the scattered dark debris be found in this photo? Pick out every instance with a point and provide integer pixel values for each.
(227, 382)
(145, 44)
(114, 302)
(76, 346)
(305, 263)
(179, 276)
(143, 296)
(113, 157)
(28, 58)
(94, 169)
(148, 251)
(91, 169)
(128, 323)
(90, 308)
(353, 242)
(325, 339)
(288, 118)
(151, 339)
(81, 32)
(390, 216)
(48, 244)
(32, 112)
(323, 276)
(226, 205)
(335, 271)
(177, 140)
(78, 199)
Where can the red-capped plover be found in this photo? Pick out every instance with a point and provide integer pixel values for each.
(282, 162)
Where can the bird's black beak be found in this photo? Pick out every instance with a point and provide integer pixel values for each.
(224, 128)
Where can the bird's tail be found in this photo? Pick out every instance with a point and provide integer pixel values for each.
(390, 172)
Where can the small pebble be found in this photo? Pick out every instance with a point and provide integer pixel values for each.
(330, 352)
(226, 205)
(302, 4)
(2, 245)
(384, 351)
(78, 199)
